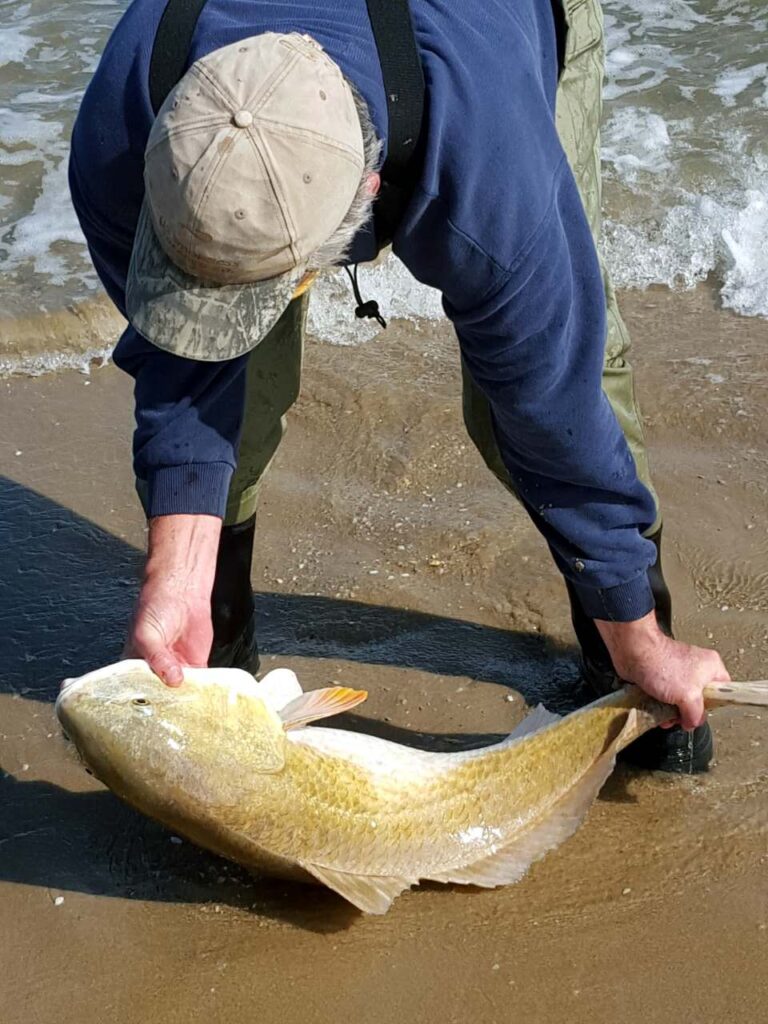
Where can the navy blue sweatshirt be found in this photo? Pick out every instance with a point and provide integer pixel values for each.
(496, 224)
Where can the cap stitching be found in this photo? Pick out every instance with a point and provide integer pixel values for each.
(281, 71)
(199, 69)
(206, 190)
(196, 71)
(315, 138)
(222, 90)
(277, 126)
(280, 200)
(188, 126)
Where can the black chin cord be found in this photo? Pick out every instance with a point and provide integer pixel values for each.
(364, 310)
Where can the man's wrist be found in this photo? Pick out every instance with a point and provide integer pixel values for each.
(626, 641)
(182, 553)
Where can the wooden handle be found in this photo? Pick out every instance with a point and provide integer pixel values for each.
(755, 692)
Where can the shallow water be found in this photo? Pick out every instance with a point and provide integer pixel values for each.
(685, 157)
(685, 148)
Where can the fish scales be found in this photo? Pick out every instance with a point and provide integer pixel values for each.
(422, 825)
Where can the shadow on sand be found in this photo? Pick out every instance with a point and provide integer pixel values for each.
(66, 589)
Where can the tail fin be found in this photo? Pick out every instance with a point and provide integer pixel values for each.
(755, 693)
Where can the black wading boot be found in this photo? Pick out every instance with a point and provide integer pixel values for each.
(234, 627)
(663, 750)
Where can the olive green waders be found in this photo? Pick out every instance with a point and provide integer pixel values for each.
(274, 366)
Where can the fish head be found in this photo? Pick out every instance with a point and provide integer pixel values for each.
(160, 747)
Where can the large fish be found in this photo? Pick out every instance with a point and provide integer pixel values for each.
(230, 764)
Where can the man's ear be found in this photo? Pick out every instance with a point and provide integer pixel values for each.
(374, 183)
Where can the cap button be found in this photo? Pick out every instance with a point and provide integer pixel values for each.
(243, 119)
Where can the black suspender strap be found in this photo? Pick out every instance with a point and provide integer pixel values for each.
(404, 87)
(170, 52)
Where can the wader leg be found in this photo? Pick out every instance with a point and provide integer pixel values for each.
(272, 386)
(273, 381)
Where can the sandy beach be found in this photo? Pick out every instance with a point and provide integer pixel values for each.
(389, 558)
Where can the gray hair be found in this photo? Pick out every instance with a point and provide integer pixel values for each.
(333, 252)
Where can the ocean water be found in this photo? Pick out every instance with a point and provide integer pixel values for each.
(685, 157)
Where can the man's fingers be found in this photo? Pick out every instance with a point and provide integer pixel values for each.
(164, 665)
(162, 662)
(692, 711)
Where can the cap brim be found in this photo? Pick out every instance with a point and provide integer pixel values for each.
(190, 318)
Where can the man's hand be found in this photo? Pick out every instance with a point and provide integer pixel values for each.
(672, 672)
(171, 625)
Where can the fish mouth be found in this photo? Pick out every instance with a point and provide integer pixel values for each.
(70, 686)
(65, 690)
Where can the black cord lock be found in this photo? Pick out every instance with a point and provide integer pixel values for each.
(364, 310)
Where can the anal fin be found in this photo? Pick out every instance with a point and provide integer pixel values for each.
(511, 862)
(536, 720)
(373, 894)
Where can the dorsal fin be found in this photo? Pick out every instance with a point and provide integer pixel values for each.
(278, 688)
(316, 704)
(373, 894)
(511, 862)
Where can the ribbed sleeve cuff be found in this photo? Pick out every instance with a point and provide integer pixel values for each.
(624, 603)
(196, 489)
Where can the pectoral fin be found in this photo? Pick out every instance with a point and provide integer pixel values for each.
(316, 704)
(510, 863)
(373, 894)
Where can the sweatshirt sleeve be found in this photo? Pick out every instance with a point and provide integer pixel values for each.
(189, 416)
(533, 344)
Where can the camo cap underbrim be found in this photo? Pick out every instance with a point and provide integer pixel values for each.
(183, 315)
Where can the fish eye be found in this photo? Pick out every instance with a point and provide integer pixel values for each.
(140, 702)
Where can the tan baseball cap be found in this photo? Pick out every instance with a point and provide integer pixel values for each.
(251, 165)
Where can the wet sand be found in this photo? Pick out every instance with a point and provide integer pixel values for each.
(389, 558)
